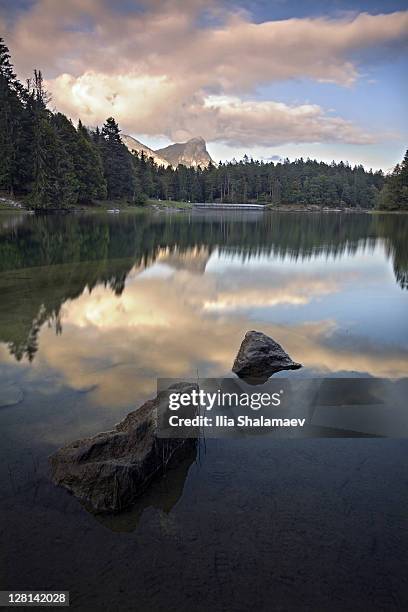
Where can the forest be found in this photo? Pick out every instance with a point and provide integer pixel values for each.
(50, 163)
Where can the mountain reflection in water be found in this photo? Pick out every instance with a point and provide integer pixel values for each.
(207, 276)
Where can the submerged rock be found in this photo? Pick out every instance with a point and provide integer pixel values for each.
(162, 494)
(107, 472)
(259, 357)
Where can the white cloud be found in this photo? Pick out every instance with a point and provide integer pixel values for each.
(92, 96)
(271, 123)
(160, 73)
(153, 105)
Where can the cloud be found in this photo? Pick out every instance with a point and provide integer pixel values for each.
(178, 69)
(117, 346)
(156, 105)
(133, 99)
(251, 122)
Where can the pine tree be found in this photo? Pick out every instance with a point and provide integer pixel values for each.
(394, 194)
(42, 139)
(117, 163)
(65, 186)
(88, 182)
(89, 169)
(11, 108)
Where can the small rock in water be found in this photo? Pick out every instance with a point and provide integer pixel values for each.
(259, 357)
(107, 472)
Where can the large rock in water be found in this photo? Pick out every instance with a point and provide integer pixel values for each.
(107, 472)
(259, 357)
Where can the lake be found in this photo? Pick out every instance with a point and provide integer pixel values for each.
(95, 307)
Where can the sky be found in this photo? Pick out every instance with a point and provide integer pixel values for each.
(269, 78)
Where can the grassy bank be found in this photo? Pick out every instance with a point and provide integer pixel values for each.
(22, 204)
(123, 206)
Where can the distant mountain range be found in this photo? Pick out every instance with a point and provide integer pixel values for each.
(192, 153)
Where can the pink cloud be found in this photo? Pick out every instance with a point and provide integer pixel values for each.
(154, 68)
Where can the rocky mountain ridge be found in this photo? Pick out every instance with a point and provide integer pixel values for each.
(192, 153)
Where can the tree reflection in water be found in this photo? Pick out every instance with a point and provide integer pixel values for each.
(47, 260)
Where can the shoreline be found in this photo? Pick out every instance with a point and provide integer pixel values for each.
(19, 206)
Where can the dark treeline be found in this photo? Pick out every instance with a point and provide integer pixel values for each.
(301, 182)
(394, 194)
(50, 163)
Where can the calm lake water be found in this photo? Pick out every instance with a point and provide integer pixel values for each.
(94, 308)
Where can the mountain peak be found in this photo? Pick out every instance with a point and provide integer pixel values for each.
(192, 153)
(197, 139)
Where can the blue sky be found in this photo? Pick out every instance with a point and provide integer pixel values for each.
(379, 98)
(264, 10)
(266, 78)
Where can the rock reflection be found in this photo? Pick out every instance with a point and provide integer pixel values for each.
(162, 495)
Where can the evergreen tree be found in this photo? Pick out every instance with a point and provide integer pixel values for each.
(89, 182)
(66, 184)
(42, 142)
(11, 108)
(394, 195)
(117, 163)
